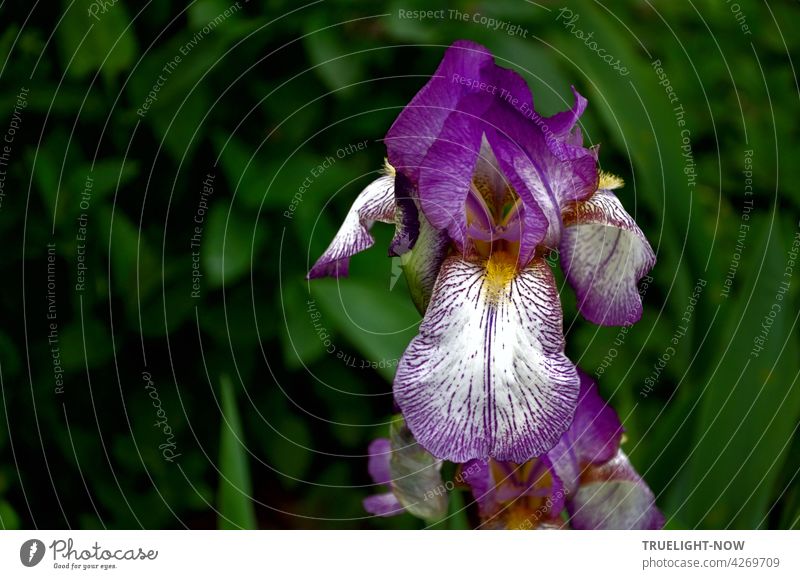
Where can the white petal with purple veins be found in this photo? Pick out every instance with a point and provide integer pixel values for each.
(605, 254)
(614, 497)
(375, 203)
(487, 375)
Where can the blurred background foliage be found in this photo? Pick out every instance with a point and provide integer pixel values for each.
(272, 388)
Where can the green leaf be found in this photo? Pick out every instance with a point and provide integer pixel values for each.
(134, 264)
(751, 401)
(301, 344)
(8, 517)
(288, 449)
(234, 498)
(330, 57)
(457, 515)
(379, 322)
(109, 43)
(227, 244)
(85, 344)
(107, 174)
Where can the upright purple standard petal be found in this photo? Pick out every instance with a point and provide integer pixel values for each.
(545, 166)
(605, 254)
(487, 375)
(375, 203)
(419, 124)
(438, 138)
(447, 169)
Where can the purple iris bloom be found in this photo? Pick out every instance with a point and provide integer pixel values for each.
(480, 188)
(586, 473)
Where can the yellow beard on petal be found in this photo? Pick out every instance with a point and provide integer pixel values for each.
(501, 267)
(610, 181)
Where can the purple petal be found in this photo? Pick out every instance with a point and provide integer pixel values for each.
(380, 455)
(407, 217)
(437, 138)
(505, 490)
(546, 170)
(564, 126)
(375, 203)
(614, 497)
(487, 375)
(604, 255)
(478, 475)
(383, 505)
(529, 179)
(596, 429)
(446, 173)
(593, 438)
(419, 124)
(535, 478)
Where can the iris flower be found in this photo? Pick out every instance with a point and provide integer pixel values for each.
(586, 473)
(481, 187)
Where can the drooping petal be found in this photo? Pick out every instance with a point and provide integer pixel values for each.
(380, 454)
(375, 203)
(487, 375)
(419, 124)
(593, 438)
(383, 505)
(416, 478)
(614, 496)
(604, 254)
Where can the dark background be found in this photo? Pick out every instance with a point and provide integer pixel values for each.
(259, 403)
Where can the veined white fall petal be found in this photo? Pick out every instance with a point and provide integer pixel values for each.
(374, 203)
(487, 375)
(604, 254)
